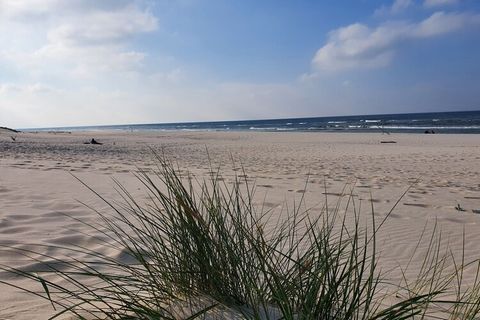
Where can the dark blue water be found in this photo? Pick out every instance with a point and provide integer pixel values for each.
(439, 122)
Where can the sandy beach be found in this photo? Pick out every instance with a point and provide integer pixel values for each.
(38, 186)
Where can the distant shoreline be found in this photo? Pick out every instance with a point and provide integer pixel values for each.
(434, 122)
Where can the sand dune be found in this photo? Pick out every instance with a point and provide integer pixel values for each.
(38, 190)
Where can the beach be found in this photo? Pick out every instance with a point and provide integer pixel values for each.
(438, 176)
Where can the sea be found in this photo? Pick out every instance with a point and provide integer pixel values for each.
(433, 122)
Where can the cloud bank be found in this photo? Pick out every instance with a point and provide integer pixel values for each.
(73, 37)
(397, 7)
(439, 3)
(360, 46)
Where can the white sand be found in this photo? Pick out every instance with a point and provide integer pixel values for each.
(37, 188)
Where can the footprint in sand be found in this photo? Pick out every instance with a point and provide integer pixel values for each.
(397, 216)
(270, 204)
(421, 205)
(332, 194)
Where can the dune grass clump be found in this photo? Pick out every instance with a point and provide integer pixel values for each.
(203, 250)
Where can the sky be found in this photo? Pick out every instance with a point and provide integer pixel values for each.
(92, 62)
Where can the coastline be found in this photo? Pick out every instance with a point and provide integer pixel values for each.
(37, 187)
(433, 122)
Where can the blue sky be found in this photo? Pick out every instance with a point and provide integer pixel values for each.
(87, 62)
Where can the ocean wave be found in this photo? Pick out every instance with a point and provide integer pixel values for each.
(195, 130)
(286, 129)
(265, 128)
(272, 129)
(427, 127)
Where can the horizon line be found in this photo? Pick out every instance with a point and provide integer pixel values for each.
(241, 120)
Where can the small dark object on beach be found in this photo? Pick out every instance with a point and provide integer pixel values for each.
(476, 211)
(388, 141)
(13, 138)
(459, 208)
(429, 132)
(93, 141)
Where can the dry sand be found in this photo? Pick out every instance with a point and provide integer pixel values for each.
(37, 187)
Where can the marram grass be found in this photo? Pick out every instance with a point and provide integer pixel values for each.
(202, 250)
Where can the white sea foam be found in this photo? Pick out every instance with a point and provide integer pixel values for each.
(426, 127)
(267, 128)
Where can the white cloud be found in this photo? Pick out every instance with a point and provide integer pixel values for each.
(33, 88)
(439, 3)
(400, 5)
(441, 23)
(86, 62)
(78, 38)
(360, 46)
(397, 6)
(66, 60)
(56, 8)
(17, 8)
(102, 27)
